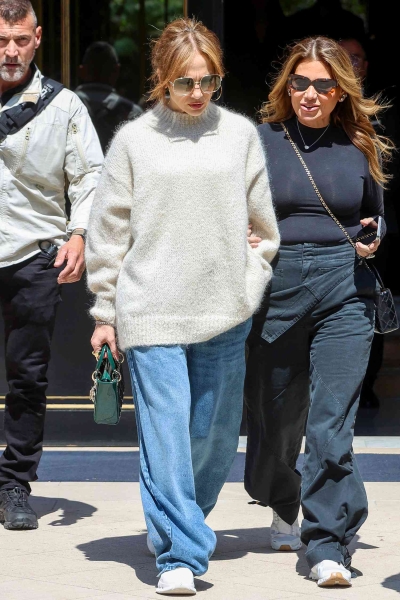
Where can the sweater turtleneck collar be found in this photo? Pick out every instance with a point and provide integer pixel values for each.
(178, 123)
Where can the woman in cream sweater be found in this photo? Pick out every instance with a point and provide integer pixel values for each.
(169, 263)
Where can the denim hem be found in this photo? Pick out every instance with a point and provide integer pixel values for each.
(177, 565)
(324, 552)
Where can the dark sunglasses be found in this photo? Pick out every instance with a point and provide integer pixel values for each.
(301, 84)
(183, 86)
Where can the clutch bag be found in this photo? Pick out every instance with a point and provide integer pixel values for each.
(385, 309)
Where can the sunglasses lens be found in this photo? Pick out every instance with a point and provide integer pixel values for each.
(299, 83)
(323, 86)
(183, 86)
(210, 83)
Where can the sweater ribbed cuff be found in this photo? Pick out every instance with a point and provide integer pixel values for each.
(103, 310)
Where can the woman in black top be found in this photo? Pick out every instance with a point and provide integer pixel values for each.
(310, 342)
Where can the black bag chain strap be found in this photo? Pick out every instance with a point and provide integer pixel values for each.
(385, 316)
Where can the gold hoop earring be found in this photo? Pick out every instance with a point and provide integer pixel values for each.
(220, 94)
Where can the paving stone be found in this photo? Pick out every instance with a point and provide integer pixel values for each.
(91, 543)
(28, 589)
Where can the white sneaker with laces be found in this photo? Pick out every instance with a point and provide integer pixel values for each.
(150, 546)
(328, 573)
(285, 537)
(178, 582)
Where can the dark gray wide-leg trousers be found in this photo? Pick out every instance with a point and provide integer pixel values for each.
(313, 372)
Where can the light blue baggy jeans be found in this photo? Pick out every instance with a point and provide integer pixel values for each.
(188, 402)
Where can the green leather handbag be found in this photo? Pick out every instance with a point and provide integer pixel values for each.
(107, 392)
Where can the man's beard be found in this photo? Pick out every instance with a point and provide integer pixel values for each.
(16, 73)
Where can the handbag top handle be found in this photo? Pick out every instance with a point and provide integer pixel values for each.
(110, 357)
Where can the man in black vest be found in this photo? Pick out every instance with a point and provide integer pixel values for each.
(99, 71)
(46, 138)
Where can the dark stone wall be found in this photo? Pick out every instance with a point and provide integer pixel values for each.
(90, 21)
(211, 12)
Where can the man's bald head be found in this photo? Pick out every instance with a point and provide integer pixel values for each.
(100, 64)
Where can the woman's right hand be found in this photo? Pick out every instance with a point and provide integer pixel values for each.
(105, 334)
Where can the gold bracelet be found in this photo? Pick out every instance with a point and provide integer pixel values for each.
(105, 323)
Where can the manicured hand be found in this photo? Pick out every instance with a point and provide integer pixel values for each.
(364, 249)
(252, 239)
(73, 253)
(105, 334)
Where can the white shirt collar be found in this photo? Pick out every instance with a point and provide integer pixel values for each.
(30, 94)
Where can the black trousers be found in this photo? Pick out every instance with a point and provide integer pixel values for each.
(313, 371)
(29, 296)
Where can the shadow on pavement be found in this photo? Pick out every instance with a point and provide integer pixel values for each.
(392, 583)
(231, 544)
(72, 510)
(132, 551)
(303, 568)
(129, 550)
(239, 542)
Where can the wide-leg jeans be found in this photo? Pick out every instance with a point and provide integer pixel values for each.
(188, 402)
(308, 353)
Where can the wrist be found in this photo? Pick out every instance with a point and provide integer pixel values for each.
(100, 323)
(79, 231)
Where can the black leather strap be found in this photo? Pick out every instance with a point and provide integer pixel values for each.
(14, 119)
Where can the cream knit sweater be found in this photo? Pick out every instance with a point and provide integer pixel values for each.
(167, 254)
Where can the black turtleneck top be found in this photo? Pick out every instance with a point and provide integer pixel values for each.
(341, 173)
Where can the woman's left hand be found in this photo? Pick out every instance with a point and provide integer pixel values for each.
(253, 240)
(370, 249)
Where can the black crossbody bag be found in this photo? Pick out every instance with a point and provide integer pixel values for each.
(385, 310)
(14, 119)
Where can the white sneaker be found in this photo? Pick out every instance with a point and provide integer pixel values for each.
(329, 572)
(150, 546)
(177, 582)
(285, 537)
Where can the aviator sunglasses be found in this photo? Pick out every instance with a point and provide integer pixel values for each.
(301, 84)
(183, 86)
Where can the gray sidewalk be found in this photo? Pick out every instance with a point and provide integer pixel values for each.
(91, 543)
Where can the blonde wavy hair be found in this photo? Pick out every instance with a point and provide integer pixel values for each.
(173, 51)
(353, 114)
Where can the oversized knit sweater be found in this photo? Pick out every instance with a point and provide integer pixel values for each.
(167, 254)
